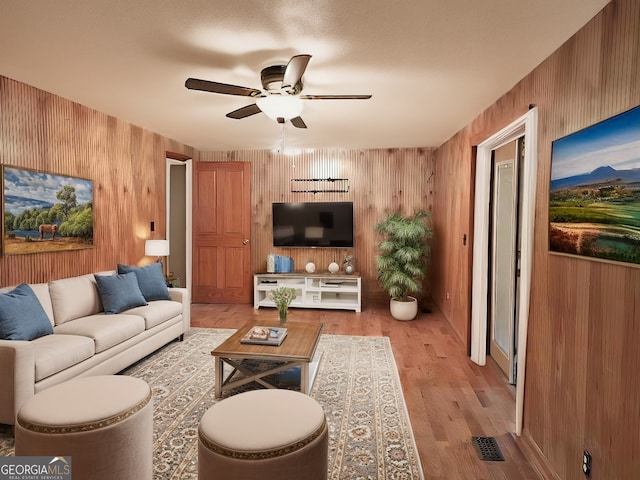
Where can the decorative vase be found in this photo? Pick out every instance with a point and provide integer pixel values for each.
(282, 315)
(349, 267)
(310, 267)
(333, 267)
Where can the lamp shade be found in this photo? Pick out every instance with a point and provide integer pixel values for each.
(156, 248)
(280, 106)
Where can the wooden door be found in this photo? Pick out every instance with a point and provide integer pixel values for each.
(221, 228)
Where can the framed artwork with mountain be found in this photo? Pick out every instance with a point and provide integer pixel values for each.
(594, 196)
(44, 212)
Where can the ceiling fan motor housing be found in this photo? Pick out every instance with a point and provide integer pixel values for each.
(271, 78)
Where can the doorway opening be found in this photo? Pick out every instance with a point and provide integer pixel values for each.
(524, 126)
(179, 221)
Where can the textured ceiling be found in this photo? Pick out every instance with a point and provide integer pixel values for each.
(431, 65)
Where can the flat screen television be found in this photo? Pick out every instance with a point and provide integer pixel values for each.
(313, 224)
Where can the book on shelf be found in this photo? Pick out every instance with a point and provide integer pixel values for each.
(265, 336)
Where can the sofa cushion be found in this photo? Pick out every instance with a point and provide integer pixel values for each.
(55, 353)
(22, 316)
(74, 297)
(157, 312)
(105, 330)
(150, 280)
(119, 292)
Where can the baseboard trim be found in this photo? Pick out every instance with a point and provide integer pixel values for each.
(535, 456)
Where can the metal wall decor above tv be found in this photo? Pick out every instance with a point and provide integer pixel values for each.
(313, 224)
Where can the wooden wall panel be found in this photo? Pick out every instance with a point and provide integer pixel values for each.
(453, 242)
(380, 181)
(582, 390)
(126, 163)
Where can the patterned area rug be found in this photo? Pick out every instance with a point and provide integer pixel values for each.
(357, 384)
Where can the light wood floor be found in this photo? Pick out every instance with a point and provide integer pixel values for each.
(449, 398)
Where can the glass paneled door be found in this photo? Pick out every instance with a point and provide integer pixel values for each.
(505, 253)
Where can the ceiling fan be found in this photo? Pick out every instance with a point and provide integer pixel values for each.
(280, 97)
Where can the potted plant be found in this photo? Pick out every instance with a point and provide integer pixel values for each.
(402, 260)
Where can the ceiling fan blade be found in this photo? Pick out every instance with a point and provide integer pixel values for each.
(335, 97)
(298, 122)
(295, 69)
(244, 111)
(224, 88)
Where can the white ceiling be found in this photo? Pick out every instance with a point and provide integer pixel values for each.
(431, 65)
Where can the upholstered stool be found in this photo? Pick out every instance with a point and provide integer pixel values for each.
(266, 434)
(104, 423)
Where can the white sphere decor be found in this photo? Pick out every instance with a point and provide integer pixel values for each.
(310, 267)
(334, 267)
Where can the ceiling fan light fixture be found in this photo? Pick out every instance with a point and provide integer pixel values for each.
(280, 106)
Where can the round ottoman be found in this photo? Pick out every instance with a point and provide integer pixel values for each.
(104, 423)
(266, 434)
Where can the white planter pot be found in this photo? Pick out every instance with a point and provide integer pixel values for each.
(404, 310)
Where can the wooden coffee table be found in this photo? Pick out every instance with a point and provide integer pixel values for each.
(297, 349)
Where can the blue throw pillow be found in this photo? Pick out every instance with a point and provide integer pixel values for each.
(150, 280)
(119, 292)
(22, 316)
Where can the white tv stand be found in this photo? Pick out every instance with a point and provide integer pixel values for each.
(313, 290)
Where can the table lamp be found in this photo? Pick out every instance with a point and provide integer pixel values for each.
(156, 248)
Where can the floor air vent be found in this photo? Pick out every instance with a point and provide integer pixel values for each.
(488, 449)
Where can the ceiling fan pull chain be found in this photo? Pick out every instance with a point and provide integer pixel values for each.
(282, 138)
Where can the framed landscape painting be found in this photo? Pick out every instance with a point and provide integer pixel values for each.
(44, 212)
(594, 197)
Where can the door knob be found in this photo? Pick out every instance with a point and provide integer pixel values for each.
(245, 241)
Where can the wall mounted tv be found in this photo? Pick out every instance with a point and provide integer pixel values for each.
(313, 224)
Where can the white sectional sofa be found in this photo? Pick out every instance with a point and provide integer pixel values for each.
(86, 339)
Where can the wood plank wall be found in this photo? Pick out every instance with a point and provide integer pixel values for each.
(453, 242)
(42, 131)
(380, 181)
(582, 388)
